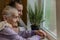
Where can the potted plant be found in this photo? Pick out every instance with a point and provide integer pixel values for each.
(36, 16)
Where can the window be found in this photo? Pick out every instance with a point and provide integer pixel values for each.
(50, 16)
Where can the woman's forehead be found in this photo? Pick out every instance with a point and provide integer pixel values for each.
(15, 14)
(19, 6)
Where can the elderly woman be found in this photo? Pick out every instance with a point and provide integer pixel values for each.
(9, 29)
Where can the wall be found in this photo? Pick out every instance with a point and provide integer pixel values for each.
(24, 17)
(58, 18)
(3, 3)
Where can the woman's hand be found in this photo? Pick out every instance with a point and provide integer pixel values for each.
(40, 33)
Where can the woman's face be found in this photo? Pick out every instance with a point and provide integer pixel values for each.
(13, 19)
(19, 7)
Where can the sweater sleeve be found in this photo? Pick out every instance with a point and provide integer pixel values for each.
(10, 34)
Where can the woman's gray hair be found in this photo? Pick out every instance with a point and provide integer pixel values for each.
(8, 11)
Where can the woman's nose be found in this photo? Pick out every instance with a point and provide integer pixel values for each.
(18, 19)
(20, 13)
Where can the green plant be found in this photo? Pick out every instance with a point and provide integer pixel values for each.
(36, 16)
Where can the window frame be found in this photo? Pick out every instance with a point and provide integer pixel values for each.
(50, 34)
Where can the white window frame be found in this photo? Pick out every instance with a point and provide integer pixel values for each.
(51, 34)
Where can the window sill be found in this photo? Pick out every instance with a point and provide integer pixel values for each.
(50, 35)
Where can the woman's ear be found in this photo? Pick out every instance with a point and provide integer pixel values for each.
(4, 17)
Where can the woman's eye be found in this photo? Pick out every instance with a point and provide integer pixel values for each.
(19, 10)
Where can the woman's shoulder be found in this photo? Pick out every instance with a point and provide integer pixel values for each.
(6, 29)
(2, 25)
